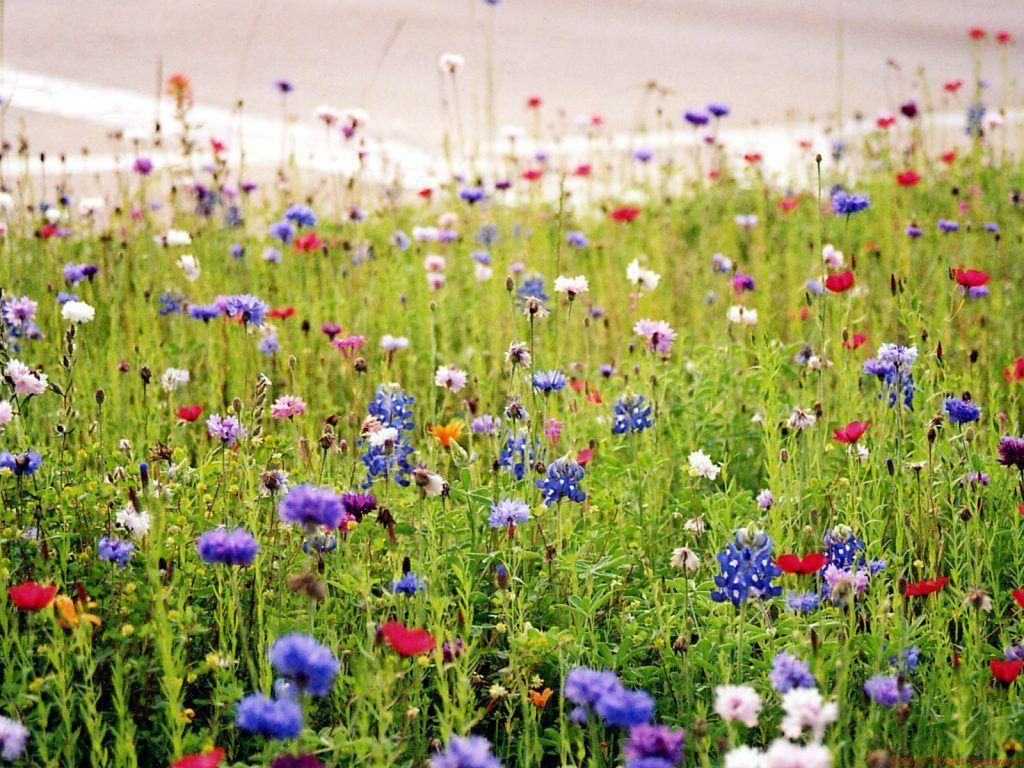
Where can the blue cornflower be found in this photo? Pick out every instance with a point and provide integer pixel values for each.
(305, 662)
(532, 287)
(960, 411)
(913, 231)
(718, 110)
(269, 345)
(577, 239)
(273, 718)
(115, 550)
(974, 116)
(21, 463)
(846, 204)
(234, 547)
(947, 225)
(802, 602)
(547, 382)
(237, 251)
(887, 690)
(632, 414)
(472, 195)
(603, 693)
(283, 230)
(654, 746)
(204, 312)
(311, 506)
(171, 303)
(907, 660)
(249, 308)
(409, 584)
(488, 234)
(400, 240)
(789, 672)
(301, 215)
(562, 481)
(747, 568)
(696, 119)
(485, 424)
(892, 366)
(509, 512)
(466, 752)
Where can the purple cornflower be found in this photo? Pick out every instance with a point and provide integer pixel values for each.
(466, 752)
(961, 411)
(718, 109)
(408, 585)
(603, 693)
(696, 119)
(284, 86)
(742, 282)
(946, 225)
(204, 312)
(283, 230)
(846, 204)
(115, 550)
(305, 662)
(300, 215)
(547, 382)
(789, 672)
(310, 506)
(887, 690)
(577, 239)
(142, 166)
(273, 718)
(234, 547)
(509, 512)
(913, 231)
(485, 424)
(658, 334)
(250, 309)
(1011, 452)
(13, 736)
(654, 746)
(358, 504)
(228, 429)
(26, 463)
(472, 195)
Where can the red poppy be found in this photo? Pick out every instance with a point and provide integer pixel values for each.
(406, 641)
(752, 157)
(805, 313)
(714, 174)
(1003, 37)
(925, 587)
(1005, 671)
(886, 121)
(840, 283)
(47, 231)
(578, 385)
(534, 102)
(952, 86)
(807, 564)
(851, 433)
(970, 278)
(855, 341)
(908, 178)
(585, 456)
(596, 120)
(977, 33)
(426, 192)
(29, 596)
(593, 397)
(948, 157)
(1018, 597)
(281, 312)
(582, 170)
(624, 214)
(787, 204)
(209, 759)
(190, 412)
(805, 143)
(533, 174)
(308, 242)
(1014, 371)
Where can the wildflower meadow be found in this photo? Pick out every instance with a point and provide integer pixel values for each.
(652, 457)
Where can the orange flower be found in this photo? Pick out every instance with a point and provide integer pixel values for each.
(539, 699)
(71, 614)
(445, 434)
(180, 87)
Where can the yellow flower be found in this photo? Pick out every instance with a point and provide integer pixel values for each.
(187, 714)
(71, 613)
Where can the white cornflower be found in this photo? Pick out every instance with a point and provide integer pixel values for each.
(737, 702)
(644, 279)
(832, 256)
(701, 465)
(571, 286)
(77, 312)
(174, 379)
(740, 315)
(136, 522)
(391, 343)
(190, 266)
(801, 419)
(685, 560)
(806, 710)
(450, 62)
(744, 757)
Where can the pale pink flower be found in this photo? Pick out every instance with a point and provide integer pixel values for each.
(737, 702)
(287, 407)
(450, 377)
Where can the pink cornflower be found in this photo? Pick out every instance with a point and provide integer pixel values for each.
(658, 334)
(287, 407)
(347, 344)
(450, 377)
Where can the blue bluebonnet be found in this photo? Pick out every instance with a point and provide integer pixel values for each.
(273, 718)
(562, 481)
(547, 382)
(961, 411)
(229, 547)
(409, 584)
(391, 407)
(893, 367)
(602, 692)
(747, 568)
(311, 506)
(888, 690)
(300, 215)
(842, 546)
(517, 453)
(26, 463)
(632, 414)
(654, 746)
(250, 309)
(466, 752)
(508, 512)
(115, 550)
(789, 672)
(847, 204)
(305, 662)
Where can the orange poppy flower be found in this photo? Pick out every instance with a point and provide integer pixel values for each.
(539, 699)
(445, 434)
(71, 614)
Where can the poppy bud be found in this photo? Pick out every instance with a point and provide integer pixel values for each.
(784, 455)
(100, 396)
(144, 473)
(305, 326)
(938, 351)
(145, 374)
(974, 356)
(890, 467)
(501, 575)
